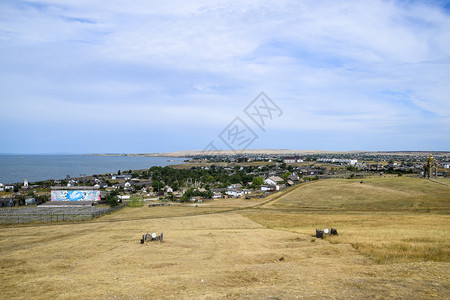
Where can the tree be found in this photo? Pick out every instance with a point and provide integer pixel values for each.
(187, 195)
(258, 181)
(19, 200)
(112, 199)
(157, 185)
(352, 168)
(286, 176)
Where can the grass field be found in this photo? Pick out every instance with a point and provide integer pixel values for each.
(389, 220)
(135, 202)
(241, 249)
(395, 193)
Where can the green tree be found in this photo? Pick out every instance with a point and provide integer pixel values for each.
(258, 181)
(42, 198)
(157, 185)
(112, 199)
(187, 195)
(286, 176)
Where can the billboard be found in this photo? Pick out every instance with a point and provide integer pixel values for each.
(75, 195)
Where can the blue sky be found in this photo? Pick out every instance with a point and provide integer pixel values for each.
(97, 76)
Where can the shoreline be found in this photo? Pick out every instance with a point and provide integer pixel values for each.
(73, 168)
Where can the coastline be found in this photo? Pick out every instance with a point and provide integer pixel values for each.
(38, 168)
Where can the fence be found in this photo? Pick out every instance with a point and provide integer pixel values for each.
(53, 214)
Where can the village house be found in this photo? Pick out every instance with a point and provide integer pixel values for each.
(6, 202)
(123, 197)
(275, 181)
(294, 177)
(246, 191)
(218, 193)
(235, 186)
(268, 188)
(235, 193)
(29, 201)
(8, 187)
(115, 177)
(197, 199)
(291, 160)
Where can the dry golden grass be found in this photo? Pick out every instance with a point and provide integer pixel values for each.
(384, 237)
(390, 220)
(202, 257)
(396, 193)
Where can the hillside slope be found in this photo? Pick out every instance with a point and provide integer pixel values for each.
(398, 193)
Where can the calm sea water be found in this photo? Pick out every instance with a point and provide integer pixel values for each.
(16, 168)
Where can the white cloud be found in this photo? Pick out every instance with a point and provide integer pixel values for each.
(358, 66)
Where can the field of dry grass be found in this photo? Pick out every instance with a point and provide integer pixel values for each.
(388, 193)
(390, 220)
(383, 237)
(225, 250)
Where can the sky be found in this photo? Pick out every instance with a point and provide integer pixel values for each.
(92, 76)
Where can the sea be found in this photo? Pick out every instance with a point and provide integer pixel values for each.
(16, 168)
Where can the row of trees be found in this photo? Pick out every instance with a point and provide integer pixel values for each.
(213, 177)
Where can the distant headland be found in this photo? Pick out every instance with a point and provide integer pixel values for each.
(189, 153)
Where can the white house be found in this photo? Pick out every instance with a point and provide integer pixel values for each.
(126, 177)
(30, 201)
(268, 188)
(291, 160)
(235, 193)
(275, 181)
(246, 191)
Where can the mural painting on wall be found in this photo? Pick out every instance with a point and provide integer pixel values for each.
(80, 195)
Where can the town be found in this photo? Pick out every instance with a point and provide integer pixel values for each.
(205, 177)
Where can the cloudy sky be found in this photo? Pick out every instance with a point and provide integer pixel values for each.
(92, 76)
